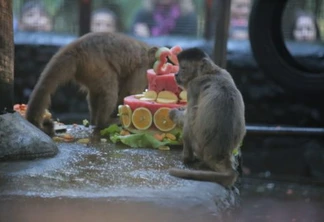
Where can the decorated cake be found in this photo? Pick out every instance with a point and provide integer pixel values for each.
(150, 109)
(148, 113)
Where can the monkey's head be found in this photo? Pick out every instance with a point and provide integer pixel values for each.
(151, 55)
(193, 62)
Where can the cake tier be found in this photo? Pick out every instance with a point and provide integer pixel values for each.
(165, 82)
(151, 105)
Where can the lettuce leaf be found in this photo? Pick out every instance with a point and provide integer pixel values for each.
(139, 139)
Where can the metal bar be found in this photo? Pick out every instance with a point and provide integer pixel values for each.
(221, 32)
(282, 130)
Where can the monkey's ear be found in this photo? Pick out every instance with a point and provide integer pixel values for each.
(207, 66)
(152, 51)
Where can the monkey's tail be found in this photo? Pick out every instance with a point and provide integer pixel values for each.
(223, 178)
(60, 69)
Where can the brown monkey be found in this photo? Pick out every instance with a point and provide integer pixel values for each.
(213, 122)
(109, 66)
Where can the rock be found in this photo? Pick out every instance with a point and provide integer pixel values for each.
(20, 140)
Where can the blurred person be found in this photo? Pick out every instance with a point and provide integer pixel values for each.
(165, 17)
(34, 17)
(240, 11)
(304, 27)
(103, 20)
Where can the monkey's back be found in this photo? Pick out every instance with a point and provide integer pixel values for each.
(220, 115)
(116, 51)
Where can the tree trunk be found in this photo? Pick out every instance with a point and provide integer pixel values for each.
(84, 16)
(6, 57)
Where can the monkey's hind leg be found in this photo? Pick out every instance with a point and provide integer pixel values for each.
(93, 107)
(103, 105)
(188, 145)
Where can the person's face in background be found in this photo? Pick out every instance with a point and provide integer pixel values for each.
(305, 29)
(103, 22)
(34, 19)
(240, 9)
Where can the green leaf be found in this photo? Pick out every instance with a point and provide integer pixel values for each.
(112, 129)
(138, 139)
(143, 140)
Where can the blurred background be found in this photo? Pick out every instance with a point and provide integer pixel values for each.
(278, 164)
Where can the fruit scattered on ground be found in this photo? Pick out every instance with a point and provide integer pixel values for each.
(22, 108)
(142, 118)
(170, 136)
(85, 122)
(84, 140)
(164, 148)
(162, 121)
(124, 133)
(67, 137)
(103, 140)
(159, 136)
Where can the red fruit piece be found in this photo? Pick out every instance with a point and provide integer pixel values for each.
(159, 83)
(134, 103)
(175, 50)
(16, 107)
(161, 68)
(174, 69)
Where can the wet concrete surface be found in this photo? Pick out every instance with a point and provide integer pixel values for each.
(278, 201)
(114, 183)
(84, 183)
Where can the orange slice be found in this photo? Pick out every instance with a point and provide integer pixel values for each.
(162, 121)
(125, 115)
(142, 118)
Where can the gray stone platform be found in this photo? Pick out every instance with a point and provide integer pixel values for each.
(117, 174)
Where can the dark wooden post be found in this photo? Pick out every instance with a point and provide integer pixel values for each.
(6, 57)
(209, 19)
(223, 12)
(84, 16)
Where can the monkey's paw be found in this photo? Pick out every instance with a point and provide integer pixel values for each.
(173, 113)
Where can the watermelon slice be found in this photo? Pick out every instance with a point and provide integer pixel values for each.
(161, 67)
(160, 83)
(134, 103)
(175, 50)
